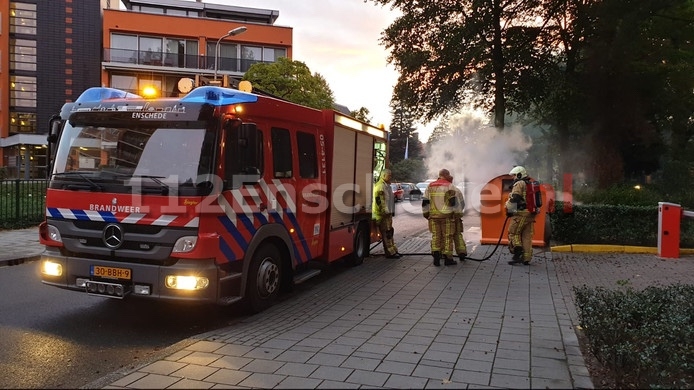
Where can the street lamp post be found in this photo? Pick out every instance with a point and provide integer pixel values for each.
(231, 33)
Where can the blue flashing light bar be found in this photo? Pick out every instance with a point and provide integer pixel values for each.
(218, 96)
(97, 94)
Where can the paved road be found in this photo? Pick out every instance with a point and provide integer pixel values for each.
(407, 324)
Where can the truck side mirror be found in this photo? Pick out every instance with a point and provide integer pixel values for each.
(54, 126)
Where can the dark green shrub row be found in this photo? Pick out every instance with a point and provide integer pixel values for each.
(22, 203)
(613, 225)
(645, 195)
(645, 337)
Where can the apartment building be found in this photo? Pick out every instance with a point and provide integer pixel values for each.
(51, 51)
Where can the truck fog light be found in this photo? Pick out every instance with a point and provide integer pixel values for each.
(141, 290)
(185, 244)
(81, 282)
(52, 268)
(54, 233)
(178, 282)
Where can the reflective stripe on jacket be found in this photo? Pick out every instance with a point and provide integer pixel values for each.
(441, 196)
(382, 199)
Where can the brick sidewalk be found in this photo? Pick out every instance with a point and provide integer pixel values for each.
(614, 270)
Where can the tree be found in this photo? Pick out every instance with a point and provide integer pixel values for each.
(292, 81)
(451, 52)
(409, 171)
(403, 135)
(441, 131)
(620, 81)
(362, 114)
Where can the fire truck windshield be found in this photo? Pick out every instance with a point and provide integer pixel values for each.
(117, 159)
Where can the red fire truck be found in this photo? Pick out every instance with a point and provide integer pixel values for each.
(214, 197)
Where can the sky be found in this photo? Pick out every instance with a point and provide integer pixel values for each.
(339, 39)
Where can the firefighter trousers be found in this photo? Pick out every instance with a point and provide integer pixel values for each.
(442, 230)
(458, 239)
(520, 233)
(385, 228)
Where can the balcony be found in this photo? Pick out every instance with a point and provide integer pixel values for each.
(178, 60)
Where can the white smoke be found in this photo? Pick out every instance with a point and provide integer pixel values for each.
(475, 153)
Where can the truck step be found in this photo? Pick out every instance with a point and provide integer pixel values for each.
(225, 301)
(305, 275)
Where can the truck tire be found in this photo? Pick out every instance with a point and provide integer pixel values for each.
(361, 245)
(264, 278)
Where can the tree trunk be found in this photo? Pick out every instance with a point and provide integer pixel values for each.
(498, 64)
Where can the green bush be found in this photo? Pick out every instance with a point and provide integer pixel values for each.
(22, 203)
(622, 194)
(617, 216)
(605, 224)
(645, 337)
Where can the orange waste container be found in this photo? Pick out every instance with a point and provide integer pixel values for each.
(493, 197)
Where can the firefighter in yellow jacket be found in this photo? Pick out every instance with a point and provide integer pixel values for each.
(521, 228)
(438, 204)
(382, 213)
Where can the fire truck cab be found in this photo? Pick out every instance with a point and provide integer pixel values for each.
(213, 197)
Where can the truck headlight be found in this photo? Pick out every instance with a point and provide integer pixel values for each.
(185, 244)
(179, 282)
(54, 233)
(51, 268)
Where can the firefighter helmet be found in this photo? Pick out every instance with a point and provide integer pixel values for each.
(519, 172)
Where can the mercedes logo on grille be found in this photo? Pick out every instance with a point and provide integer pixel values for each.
(113, 236)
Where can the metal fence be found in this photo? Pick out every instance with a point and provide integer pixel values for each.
(22, 203)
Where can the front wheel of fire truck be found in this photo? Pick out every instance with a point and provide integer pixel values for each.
(264, 278)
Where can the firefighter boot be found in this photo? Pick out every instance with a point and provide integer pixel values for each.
(517, 255)
(448, 260)
(437, 258)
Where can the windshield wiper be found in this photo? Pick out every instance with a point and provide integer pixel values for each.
(163, 187)
(91, 187)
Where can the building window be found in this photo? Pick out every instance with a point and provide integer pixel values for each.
(228, 56)
(150, 50)
(22, 18)
(177, 12)
(23, 55)
(167, 85)
(22, 122)
(126, 83)
(254, 54)
(192, 60)
(23, 91)
(123, 48)
(147, 50)
(271, 54)
(151, 10)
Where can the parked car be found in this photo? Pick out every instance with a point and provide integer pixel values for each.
(398, 193)
(411, 191)
(423, 186)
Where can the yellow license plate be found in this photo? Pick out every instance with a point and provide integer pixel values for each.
(112, 272)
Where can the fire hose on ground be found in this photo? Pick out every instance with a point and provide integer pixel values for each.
(466, 257)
